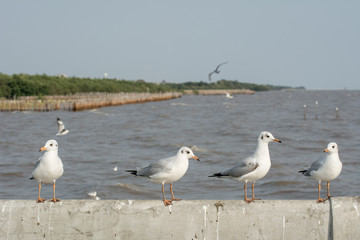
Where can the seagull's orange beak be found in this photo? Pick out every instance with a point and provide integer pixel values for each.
(196, 158)
(326, 150)
(277, 140)
(42, 149)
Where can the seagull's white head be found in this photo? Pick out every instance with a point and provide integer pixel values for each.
(187, 152)
(50, 145)
(331, 148)
(267, 137)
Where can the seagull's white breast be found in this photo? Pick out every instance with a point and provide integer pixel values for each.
(49, 169)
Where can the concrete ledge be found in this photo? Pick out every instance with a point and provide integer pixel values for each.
(192, 219)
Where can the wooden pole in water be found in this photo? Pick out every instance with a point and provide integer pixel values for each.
(316, 109)
(337, 112)
(304, 111)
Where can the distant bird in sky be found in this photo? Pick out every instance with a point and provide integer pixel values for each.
(216, 70)
(61, 128)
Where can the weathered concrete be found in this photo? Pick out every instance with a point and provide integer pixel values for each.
(198, 219)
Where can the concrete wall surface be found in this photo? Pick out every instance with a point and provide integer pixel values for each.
(188, 219)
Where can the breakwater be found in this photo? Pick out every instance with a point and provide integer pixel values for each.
(78, 102)
(337, 218)
(219, 91)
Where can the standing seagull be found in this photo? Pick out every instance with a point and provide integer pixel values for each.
(167, 170)
(216, 70)
(326, 168)
(48, 168)
(61, 128)
(254, 167)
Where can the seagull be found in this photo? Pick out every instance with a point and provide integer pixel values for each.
(167, 170)
(253, 167)
(216, 70)
(228, 95)
(326, 168)
(48, 168)
(61, 128)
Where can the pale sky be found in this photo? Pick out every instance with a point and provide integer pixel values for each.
(310, 43)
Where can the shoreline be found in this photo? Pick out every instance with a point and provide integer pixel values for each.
(86, 101)
(81, 101)
(219, 91)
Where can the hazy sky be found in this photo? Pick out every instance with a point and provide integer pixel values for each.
(308, 43)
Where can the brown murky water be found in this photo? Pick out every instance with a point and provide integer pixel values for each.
(221, 131)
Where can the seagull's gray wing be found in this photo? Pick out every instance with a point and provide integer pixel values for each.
(210, 75)
(217, 68)
(316, 165)
(161, 166)
(36, 166)
(61, 125)
(241, 169)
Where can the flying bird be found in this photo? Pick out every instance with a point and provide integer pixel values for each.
(326, 168)
(217, 71)
(167, 171)
(253, 167)
(228, 95)
(48, 168)
(61, 128)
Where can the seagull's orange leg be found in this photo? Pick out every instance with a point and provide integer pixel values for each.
(40, 200)
(320, 199)
(247, 200)
(253, 193)
(54, 199)
(172, 194)
(166, 202)
(328, 190)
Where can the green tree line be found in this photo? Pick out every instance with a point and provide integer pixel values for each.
(224, 84)
(12, 86)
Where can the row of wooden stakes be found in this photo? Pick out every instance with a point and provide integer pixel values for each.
(78, 102)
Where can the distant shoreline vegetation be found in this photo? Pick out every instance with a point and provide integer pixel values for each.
(16, 85)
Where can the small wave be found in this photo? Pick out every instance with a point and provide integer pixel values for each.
(197, 149)
(129, 187)
(97, 111)
(179, 104)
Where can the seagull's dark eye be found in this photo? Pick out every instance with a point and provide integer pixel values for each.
(262, 137)
(187, 152)
(51, 145)
(267, 136)
(333, 146)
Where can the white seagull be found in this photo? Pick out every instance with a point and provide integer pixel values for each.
(61, 128)
(254, 167)
(167, 170)
(48, 168)
(228, 95)
(217, 71)
(326, 168)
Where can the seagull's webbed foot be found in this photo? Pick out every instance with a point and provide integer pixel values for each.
(40, 200)
(253, 198)
(54, 200)
(167, 202)
(320, 200)
(176, 199)
(328, 196)
(249, 200)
